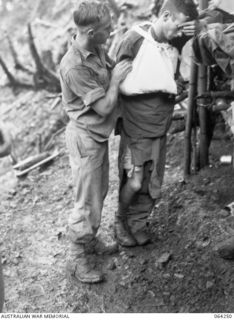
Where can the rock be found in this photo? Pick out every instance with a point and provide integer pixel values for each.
(43, 272)
(143, 262)
(179, 276)
(224, 213)
(164, 259)
(59, 207)
(4, 260)
(200, 191)
(122, 253)
(131, 255)
(123, 282)
(151, 293)
(59, 235)
(25, 191)
(124, 256)
(158, 302)
(226, 249)
(143, 269)
(116, 262)
(209, 284)
(36, 290)
(230, 208)
(12, 192)
(203, 243)
(15, 261)
(206, 181)
(184, 310)
(129, 4)
(111, 265)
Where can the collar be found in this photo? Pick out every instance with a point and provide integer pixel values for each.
(85, 53)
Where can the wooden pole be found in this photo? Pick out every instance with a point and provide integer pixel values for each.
(232, 105)
(189, 118)
(193, 84)
(202, 87)
(203, 148)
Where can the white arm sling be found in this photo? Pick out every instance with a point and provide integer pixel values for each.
(153, 68)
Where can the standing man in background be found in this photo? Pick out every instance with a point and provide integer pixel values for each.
(90, 86)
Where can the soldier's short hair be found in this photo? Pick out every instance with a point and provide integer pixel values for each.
(90, 12)
(187, 7)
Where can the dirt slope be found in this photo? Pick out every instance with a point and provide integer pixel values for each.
(179, 272)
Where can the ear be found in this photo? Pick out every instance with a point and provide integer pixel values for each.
(90, 33)
(166, 15)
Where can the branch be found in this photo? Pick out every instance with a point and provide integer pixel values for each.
(13, 81)
(216, 94)
(45, 23)
(9, 75)
(18, 64)
(33, 49)
(45, 75)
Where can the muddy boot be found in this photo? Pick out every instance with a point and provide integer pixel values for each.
(97, 246)
(79, 267)
(122, 232)
(142, 237)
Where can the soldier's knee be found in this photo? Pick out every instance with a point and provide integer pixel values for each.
(135, 185)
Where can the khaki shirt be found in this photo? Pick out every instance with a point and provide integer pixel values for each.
(85, 78)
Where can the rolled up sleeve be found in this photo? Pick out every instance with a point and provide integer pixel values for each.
(83, 84)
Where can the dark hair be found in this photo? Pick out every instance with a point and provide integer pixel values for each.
(90, 12)
(187, 7)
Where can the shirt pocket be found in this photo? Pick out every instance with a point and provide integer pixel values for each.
(100, 75)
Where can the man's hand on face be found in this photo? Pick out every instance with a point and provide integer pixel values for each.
(188, 28)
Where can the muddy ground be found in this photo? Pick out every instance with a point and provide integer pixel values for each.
(180, 271)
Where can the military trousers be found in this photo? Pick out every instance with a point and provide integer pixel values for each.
(90, 171)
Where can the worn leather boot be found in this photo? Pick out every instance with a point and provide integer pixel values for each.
(97, 246)
(80, 268)
(142, 237)
(122, 232)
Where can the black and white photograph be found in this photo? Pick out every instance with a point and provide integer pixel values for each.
(117, 158)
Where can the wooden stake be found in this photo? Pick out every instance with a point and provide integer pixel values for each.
(202, 87)
(203, 148)
(189, 119)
